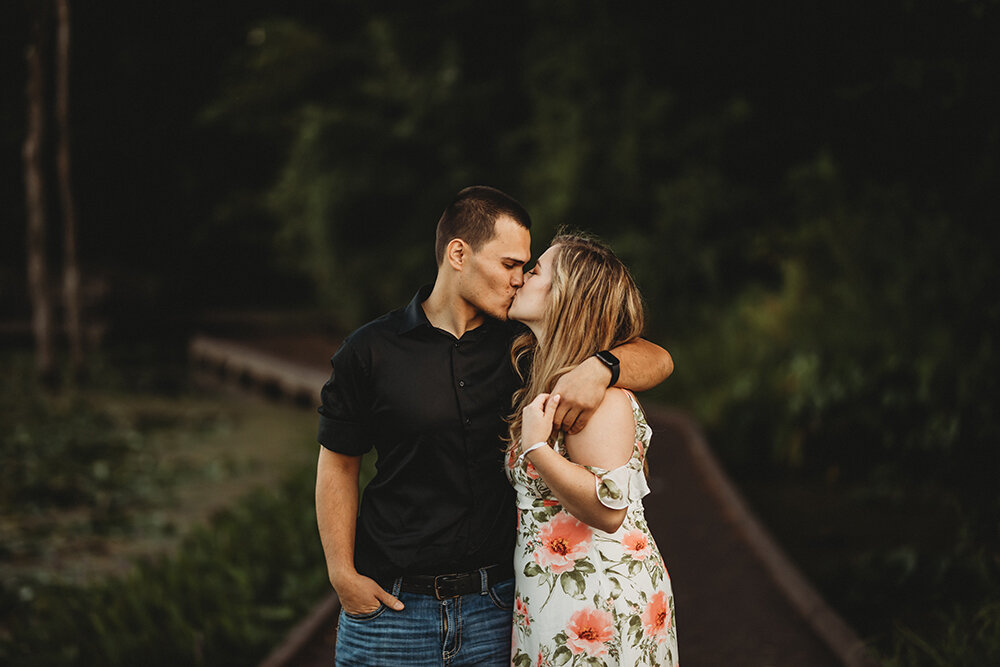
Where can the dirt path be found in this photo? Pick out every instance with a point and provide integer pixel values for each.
(729, 611)
(739, 600)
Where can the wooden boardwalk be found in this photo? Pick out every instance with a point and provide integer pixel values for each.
(739, 600)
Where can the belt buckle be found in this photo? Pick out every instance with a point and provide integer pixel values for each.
(445, 579)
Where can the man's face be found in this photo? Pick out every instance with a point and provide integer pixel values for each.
(494, 273)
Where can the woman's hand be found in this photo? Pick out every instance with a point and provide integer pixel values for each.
(536, 419)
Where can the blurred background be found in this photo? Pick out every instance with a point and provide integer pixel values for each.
(806, 194)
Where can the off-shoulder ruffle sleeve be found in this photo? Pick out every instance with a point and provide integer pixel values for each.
(619, 488)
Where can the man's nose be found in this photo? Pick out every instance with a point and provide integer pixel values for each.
(517, 279)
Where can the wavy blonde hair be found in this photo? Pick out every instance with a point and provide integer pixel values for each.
(593, 305)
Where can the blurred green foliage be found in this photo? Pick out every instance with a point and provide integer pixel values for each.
(61, 453)
(370, 130)
(227, 597)
(868, 372)
(86, 471)
(965, 637)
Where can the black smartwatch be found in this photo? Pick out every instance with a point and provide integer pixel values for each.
(611, 361)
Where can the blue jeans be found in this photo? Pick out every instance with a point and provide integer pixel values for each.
(473, 629)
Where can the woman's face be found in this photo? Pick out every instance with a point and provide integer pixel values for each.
(531, 301)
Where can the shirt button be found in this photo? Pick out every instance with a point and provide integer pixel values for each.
(461, 383)
(467, 421)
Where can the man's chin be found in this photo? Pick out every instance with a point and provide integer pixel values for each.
(498, 311)
(502, 313)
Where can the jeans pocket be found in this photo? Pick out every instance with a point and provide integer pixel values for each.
(502, 594)
(365, 617)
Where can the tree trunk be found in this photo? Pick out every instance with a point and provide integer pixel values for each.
(34, 184)
(71, 270)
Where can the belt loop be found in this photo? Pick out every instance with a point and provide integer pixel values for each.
(484, 580)
(396, 586)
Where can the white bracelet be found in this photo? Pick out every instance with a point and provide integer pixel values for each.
(529, 449)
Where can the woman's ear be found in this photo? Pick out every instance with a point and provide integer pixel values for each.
(456, 253)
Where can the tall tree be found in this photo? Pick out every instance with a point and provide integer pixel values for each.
(71, 269)
(35, 194)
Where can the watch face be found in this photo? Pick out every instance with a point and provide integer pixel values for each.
(607, 358)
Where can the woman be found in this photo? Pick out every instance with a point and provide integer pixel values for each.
(591, 584)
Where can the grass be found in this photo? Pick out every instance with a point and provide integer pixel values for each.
(113, 476)
(139, 526)
(226, 596)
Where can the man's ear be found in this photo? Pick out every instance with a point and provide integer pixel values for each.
(456, 253)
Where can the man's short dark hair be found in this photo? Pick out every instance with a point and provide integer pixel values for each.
(472, 217)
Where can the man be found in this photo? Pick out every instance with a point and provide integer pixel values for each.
(424, 571)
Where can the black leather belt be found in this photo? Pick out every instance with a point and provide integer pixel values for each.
(445, 586)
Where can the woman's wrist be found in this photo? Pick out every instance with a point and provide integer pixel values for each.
(526, 450)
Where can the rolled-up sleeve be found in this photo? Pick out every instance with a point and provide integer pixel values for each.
(345, 404)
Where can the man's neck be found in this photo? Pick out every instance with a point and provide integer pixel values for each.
(448, 311)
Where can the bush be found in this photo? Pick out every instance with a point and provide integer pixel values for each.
(870, 373)
(58, 452)
(226, 598)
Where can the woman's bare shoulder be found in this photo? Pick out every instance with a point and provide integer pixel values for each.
(607, 440)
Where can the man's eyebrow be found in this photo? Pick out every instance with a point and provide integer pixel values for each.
(515, 260)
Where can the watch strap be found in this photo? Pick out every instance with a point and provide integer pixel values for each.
(611, 361)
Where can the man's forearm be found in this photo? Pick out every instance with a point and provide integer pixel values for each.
(337, 509)
(643, 365)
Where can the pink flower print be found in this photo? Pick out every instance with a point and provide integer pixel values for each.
(563, 540)
(530, 471)
(588, 630)
(521, 612)
(656, 619)
(637, 544)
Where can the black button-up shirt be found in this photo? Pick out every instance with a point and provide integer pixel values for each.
(432, 406)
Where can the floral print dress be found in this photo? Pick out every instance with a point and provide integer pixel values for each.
(586, 597)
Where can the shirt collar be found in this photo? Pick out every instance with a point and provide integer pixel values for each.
(414, 315)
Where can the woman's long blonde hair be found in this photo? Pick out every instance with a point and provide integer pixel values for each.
(593, 305)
